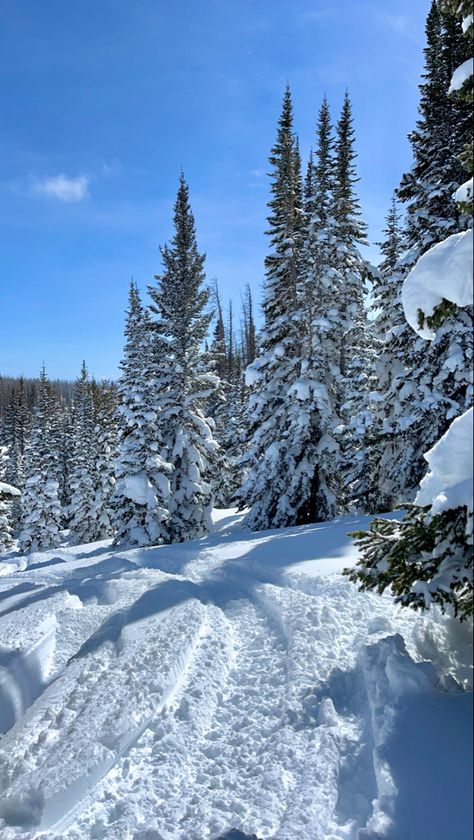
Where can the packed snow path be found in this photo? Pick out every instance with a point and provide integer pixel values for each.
(235, 686)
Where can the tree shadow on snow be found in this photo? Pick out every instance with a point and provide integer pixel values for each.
(89, 583)
(264, 561)
(429, 753)
(55, 561)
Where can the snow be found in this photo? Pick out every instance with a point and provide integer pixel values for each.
(137, 488)
(8, 489)
(467, 22)
(461, 75)
(443, 273)
(448, 483)
(464, 193)
(235, 683)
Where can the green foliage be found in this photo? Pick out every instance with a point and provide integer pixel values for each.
(440, 312)
(424, 559)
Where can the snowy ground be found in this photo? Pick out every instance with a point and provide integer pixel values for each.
(235, 686)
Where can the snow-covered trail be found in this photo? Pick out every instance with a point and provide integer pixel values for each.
(232, 683)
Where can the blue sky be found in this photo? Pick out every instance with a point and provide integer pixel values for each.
(102, 102)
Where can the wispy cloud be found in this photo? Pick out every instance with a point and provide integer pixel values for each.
(399, 23)
(62, 188)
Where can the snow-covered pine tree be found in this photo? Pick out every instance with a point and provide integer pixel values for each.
(292, 448)
(384, 462)
(17, 423)
(274, 370)
(317, 386)
(429, 384)
(442, 130)
(235, 355)
(105, 445)
(352, 329)
(428, 556)
(140, 498)
(82, 523)
(8, 495)
(226, 363)
(180, 321)
(66, 452)
(40, 507)
(249, 332)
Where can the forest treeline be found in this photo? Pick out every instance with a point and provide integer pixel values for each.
(330, 407)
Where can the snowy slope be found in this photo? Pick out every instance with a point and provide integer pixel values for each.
(237, 682)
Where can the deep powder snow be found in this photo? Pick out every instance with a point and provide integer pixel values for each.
(231, 687)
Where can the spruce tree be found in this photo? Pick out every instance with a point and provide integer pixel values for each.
(427, 384)
(354, 334)
(40, 507)
(105, 445)
(8, 495)
(221, 406)
(17, 423)
(249, 338)
(66, 452)
(81, 509)
(437, 142)
(141, 494)
(267, 488)
(428, 556)
(388, 448)
(180, 321)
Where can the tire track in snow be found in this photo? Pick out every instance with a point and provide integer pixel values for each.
(237, 747)
(90, 716)
(157, 773)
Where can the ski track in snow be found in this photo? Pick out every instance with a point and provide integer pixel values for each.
(181, 692)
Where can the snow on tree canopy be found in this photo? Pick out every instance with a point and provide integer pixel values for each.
(449, 483)
(461, 75)
(138, 488)
(8, 490)
(443, 273)
(464, 193)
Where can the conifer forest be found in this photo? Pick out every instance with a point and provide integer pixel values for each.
(236, 581)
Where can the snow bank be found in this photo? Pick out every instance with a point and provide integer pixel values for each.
(461, 75)
(417, 795)
(443, 273)
(449, 482)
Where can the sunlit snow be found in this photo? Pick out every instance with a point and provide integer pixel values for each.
(236, 683)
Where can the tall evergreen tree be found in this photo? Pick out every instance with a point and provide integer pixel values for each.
(427, 384)
(349, 233)
(81, 510)
(268, 488)
(356, 352)
(441, 132)
(105, 445)
(140, 498)
(17, 424)
(249, 343)
(389, 450)
(180, 321)
(66, 462)
(427, 557)
(41, 510)
(8, 495)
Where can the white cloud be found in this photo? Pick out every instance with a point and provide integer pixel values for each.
(62, 187)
